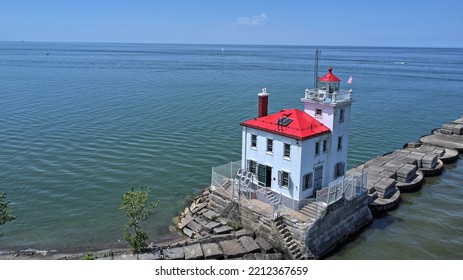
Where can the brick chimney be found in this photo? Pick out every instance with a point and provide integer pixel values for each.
(263, 103)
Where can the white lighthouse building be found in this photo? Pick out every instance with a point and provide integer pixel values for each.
(294, 153)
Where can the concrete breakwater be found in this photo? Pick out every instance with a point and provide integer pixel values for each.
(298, 236)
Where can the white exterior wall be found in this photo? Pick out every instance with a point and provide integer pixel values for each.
(303, 160)
(311, 160)
(276, 160)
(330, 118)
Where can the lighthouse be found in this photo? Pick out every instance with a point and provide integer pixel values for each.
(293, 153)
(331, 106)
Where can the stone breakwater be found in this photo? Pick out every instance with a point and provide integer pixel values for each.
(404, 170)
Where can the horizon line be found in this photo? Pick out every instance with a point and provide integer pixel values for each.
(233, 44)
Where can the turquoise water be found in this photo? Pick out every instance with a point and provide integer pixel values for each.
(83, 123)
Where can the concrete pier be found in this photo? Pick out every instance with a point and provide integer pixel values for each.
(221, 225)
(448, 136)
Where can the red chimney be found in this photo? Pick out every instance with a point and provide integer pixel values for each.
(263, 103)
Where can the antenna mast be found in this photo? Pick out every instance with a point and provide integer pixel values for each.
(315, 72)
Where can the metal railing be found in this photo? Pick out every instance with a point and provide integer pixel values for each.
(223, 177)
(348, 188)
(321, 95)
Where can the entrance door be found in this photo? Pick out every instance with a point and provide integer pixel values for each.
(264, 175)
(318, 178)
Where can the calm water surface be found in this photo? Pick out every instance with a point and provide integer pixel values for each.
(83, 123)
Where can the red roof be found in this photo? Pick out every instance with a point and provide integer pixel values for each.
(330, 77)
(302, 126)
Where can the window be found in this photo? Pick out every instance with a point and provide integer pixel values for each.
(283, 179)
(318, 112)
(339, 142)
(317, 148)
(325, 145)
(269, 145)
(252, 166)
(307, 184)
(253, 141)
(287, 150)
(341, 115)
(339, 170)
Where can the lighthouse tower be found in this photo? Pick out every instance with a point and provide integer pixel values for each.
(331, 107)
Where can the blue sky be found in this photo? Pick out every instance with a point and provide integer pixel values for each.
(411, 23)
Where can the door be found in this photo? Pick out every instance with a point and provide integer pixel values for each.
(318, 178)
(264, 175)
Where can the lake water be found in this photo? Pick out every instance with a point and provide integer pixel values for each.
(82, 123)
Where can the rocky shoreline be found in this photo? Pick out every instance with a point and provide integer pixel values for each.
(206, 235)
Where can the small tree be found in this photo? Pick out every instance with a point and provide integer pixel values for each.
(6, 215)
(137, 207)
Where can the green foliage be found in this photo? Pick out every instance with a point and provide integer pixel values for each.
(235, 225)
(137, 207)
(88, 256)
(6, 215)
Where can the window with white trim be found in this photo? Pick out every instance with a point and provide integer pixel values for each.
(252, 166)
(269, 145)
(341, 115)
(318, 112)
(325, 145)
(286, 150)
(339, 170)
(253, 141)
(283, 179)
(317, 148)
(307, 181)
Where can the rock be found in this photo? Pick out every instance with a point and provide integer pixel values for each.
(224, 221)
(263, 244)
(232, 248)
(244, 232)
(211, 225)
(126, 257)
(193, 252)
(222, 230)
(212, 251)
(199, 207)
(175, 220)
(188, 232)
(221, 237)
(201, 221)
(249, 257)
(183, 223)
(192, 206)
(249, 245)
(274, 256)
(211, 215)
(259, 256)
(155, 256)
(194, 226)
(174, 254)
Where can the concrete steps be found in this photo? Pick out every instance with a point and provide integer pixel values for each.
(285, 235)
(272, 199)
(310, 210)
